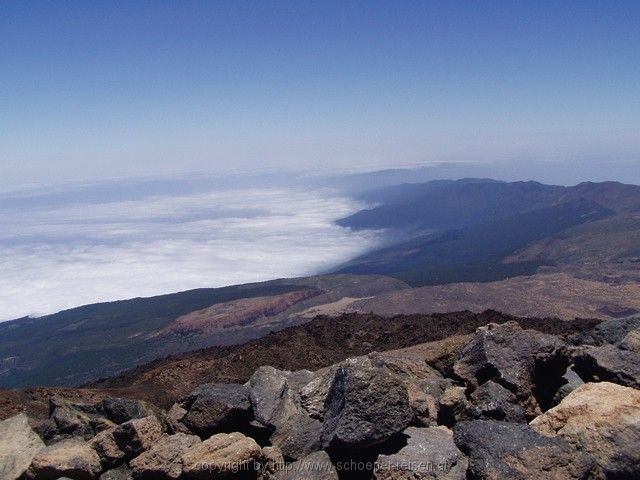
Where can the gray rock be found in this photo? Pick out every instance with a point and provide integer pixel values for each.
(499, 450)
(18, 445)
(70, 458)
(68, 420)
(613, 331)
(608, 363)
(526, 362)
(104, 444)
(492, 401)
(215, 408)
(316, 466)
(429, 453)
(365, 406)
(163, 461)
(120, 410)
(297, 436)
(571, 380)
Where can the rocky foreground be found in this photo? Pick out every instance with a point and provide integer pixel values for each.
(513, 403)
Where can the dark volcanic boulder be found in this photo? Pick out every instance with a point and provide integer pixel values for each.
(365, 406)
(216, 408)
(602, 419)
(500, 450)
(608, 363)
(121, 473)
(430, 453)
(492, 401)
(528, 363)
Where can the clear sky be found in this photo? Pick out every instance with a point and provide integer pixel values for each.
(112, 88)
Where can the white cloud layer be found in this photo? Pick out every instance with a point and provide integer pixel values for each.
(61, 256)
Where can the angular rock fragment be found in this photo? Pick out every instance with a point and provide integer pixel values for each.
(71, 458)
(105, 445)
(499, 450)
(215, 408)
(492, 401)
(365, 406)
(163, 461)
(18, 445)
(430, 453)
(136, 436)
(608, 363)
(526, 362)
(220, 456)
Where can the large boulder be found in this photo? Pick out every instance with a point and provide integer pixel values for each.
(163, 461)
(120, 410)
(316, 466)
(71, 458)
(499, 450)
(526, 362)
(365, 406)
(602, 419)
(220, 456)
(608, 363)
(215, 408)
(18, 445)
(136, 436)
(429, 453)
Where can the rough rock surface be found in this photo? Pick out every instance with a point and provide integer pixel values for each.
(499, 450)
(220, 456)
(570, 381)
(18, 445)
(492, 401)
(631, 341)
(135, 436)
(602, 419)
(515, 358)
(67, 420)
(107, 449)
(614, 331)
(608, 364)
(316, 466)
(429, 453)
(163, 461)
(272, 461)
(365, 406)
(71, 458)
(214, 408)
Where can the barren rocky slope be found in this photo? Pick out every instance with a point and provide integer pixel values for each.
(500, 402)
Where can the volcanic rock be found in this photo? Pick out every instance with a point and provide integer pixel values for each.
(18, 445)
(429, 453)
(608, 363)
(602, 419)
(163, 461)
(71, 458)
(499, 450)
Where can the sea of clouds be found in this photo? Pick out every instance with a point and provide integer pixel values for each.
(62, 250)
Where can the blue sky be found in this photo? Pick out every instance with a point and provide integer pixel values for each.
(117, 88)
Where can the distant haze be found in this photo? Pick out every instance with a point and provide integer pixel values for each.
(94, 90)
